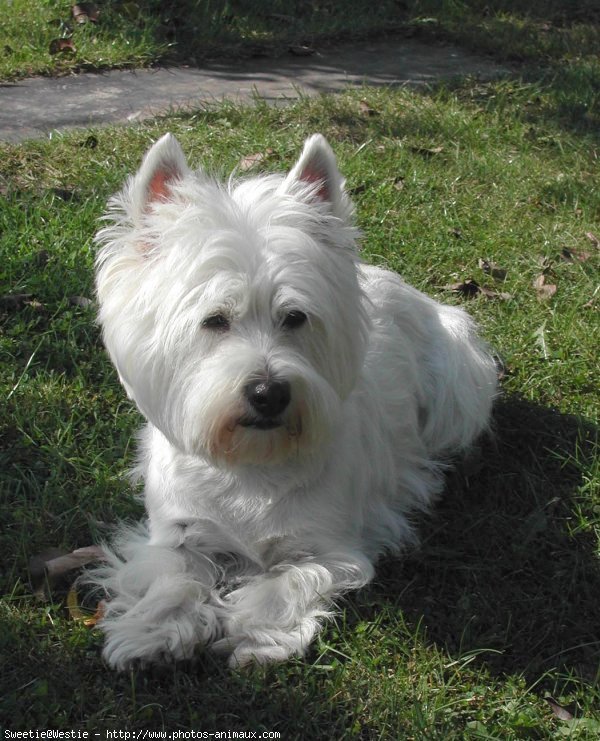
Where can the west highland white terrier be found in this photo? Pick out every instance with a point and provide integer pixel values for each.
(299, 403)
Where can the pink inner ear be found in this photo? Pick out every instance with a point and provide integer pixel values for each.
(158, 188)
(315, 176)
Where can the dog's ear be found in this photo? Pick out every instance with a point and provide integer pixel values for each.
(163, 165)
(317, 166)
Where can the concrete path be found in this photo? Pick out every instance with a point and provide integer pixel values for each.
(35, 107)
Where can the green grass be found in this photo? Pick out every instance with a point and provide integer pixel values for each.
(464, 637)
(137, 33)
(554, 41)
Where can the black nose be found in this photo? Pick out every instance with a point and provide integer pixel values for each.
(268, 398)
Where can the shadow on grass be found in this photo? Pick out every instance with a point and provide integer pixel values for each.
(509, 561)
(246, 28)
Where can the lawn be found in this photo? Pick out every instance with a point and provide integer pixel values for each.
(490, 628)
(58, 36)
(53, 37)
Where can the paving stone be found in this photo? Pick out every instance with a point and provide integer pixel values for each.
(35, 107)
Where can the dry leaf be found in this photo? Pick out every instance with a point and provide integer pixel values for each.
(427, 151)
(85, 12)
(366, 110)
(488, 293)
(544, 290)
(470, 288)
(559, 710)
(593, 239)
(467, 288)
(76, 559)
(491, 268)
(75, 611)
(92, 620)
(48, 567)
(62, 46)
(545, 263)
(91, 142)
(251, 160)
(84, 615)
(570, 255)
(37, 570)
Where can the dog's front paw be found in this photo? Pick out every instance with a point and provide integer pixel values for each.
(133, 640)
(250, 652)
(264, 646)
(243, 651)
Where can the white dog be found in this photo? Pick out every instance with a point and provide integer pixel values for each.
(299, 406)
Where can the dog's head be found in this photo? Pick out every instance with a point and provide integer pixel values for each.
(232, 311)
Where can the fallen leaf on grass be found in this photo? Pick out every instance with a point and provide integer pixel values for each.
(491, 268)
(366, 110)
(593, 239)
(47, 568)
(543, 290)
(85, 616)
(559, 710)
(469, 288)
(91, 142)
(427, 151)
(85, 13)
(570, 255)
(502, 295)
(62, 46)
(251, 160)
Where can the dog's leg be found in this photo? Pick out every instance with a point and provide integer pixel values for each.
(159, 606)
(277, 614)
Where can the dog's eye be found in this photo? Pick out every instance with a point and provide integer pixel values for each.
(218, 322)
(293, 319)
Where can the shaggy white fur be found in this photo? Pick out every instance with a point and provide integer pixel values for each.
(299, 406)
